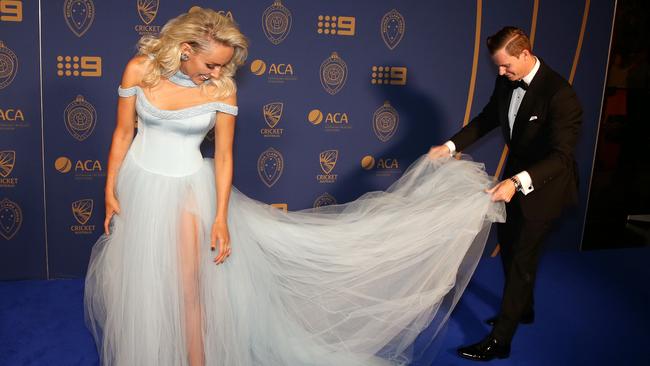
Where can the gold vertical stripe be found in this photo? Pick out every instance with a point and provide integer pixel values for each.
(576, 58)
(533, 26)
(504, 153)
(477, 45)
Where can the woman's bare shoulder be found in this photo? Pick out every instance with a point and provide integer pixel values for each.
(135, 71)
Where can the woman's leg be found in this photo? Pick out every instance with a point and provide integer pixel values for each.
(189, 261)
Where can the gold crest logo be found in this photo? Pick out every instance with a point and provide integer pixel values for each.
(276, 22)
(11, 218)
(389, 75)
(82, 210)
(11, 11)
(147, 10)
(7, 162)
(8, 65)
(328, 160)
(333, 73)
(273, 113)
(270, 166)
(324, 199)
(393, 27)
(80, 118)
(341, 25)
(79, 15)
(385, 121)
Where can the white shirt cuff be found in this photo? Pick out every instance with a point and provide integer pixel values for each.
(452, 147)
(526, 182)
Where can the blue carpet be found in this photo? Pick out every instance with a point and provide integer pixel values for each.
(591, 309)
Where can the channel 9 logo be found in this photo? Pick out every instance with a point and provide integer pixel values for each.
(336, 25)
(11, 11)
(388, 75)
(85, 66)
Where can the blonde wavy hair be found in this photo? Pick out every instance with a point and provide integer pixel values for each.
(198, 28)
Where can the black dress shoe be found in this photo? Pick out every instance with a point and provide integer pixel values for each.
(528, 318)
(485, 350)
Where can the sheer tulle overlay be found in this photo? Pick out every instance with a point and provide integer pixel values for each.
(349, 284)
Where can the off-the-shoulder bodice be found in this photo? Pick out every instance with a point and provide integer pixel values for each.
(168, 141)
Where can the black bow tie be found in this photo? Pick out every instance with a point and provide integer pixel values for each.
(519, 84)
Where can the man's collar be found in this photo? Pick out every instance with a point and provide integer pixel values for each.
(529, 78)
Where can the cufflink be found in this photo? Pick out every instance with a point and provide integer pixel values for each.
(532, 118)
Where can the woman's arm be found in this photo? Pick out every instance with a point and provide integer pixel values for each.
(122, 135)
(223, 163)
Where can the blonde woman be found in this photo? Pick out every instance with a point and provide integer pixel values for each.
(351, 284)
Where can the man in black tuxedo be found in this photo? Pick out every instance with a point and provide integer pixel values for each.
(540, 118)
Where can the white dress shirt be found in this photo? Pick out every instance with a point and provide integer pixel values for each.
(517, 96)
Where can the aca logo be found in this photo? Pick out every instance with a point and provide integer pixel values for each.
(11, 118)
(8, 65)
(82, 210)
(87, 66)
(336, 25)
(11, 11)
(276, 22)
(147, 11)
(79, 15)
(327, 159)
(83, 169)
(385, 121)
(331, 121)
(80, 118)
(324, 199)
(333, 73)
(11, 218)
(393, 27)
(7, 163)
(270, 166)
(383, 166)
(389, 75)
(272, 114)
(276, 72)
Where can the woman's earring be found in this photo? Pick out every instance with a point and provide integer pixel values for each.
(184, 57)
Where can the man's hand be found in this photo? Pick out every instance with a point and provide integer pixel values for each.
(440, 151)
(502, 191)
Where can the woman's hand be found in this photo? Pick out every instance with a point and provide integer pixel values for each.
(220, 236)
(112, 207)
(438, 152)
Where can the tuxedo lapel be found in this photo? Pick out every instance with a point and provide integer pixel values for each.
(503, 112)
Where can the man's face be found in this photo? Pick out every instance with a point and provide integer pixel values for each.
(514, 68)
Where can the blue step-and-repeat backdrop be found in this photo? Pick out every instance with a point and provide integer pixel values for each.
(337, 98)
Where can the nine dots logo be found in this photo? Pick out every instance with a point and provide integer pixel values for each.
(389, 75)
(86, 66)
(341, 25)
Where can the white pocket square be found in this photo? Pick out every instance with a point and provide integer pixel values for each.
(532, 118)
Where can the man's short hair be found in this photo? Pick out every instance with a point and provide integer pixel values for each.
(513, 39)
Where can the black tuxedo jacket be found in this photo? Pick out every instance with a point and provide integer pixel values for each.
(544, 136)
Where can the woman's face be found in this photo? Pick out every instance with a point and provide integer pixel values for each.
(205, 65)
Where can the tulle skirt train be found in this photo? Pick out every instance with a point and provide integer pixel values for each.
(350, 284)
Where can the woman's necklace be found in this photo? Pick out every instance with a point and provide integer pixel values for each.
(180, 78)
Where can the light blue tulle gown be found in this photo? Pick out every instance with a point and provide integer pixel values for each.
(350, 284)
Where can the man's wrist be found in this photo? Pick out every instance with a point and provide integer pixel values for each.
(517, 183)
